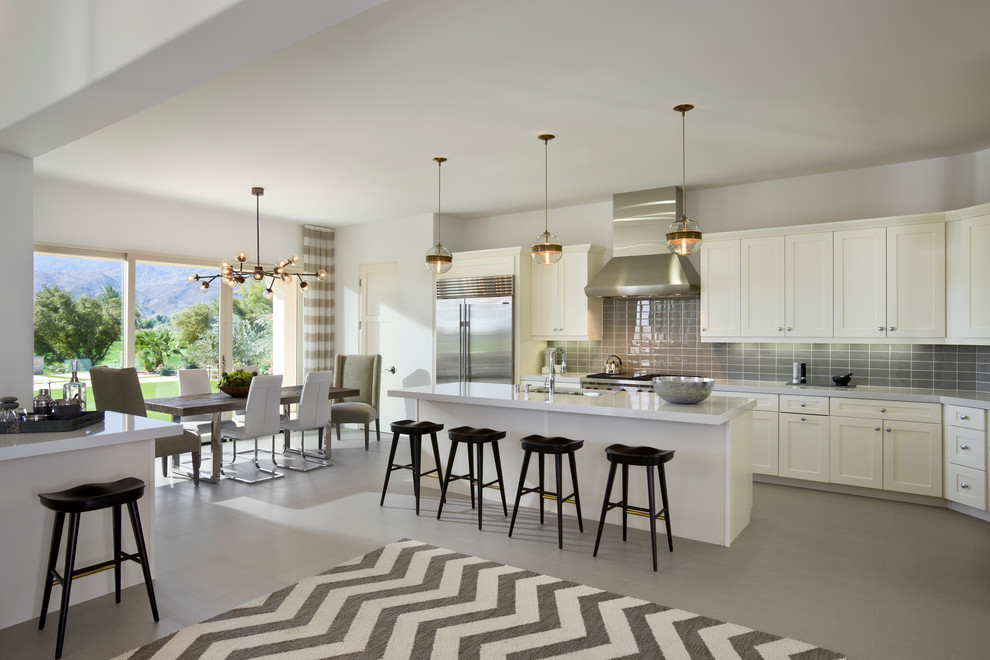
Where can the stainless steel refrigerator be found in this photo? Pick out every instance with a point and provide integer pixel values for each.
(474, 329)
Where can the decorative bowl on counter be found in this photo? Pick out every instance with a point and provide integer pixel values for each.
(683, 389)
(234, 391)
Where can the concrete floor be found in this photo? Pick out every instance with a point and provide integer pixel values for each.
(870, 578)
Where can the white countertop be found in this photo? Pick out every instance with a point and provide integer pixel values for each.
(952, 397)
(115, 429)
(713, 410)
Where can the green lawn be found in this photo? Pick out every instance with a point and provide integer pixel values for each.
(151, 390)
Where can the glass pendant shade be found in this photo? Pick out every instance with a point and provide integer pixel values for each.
(547, 249)
(438, 259)
(684, 236)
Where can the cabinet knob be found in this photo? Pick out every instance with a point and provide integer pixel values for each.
(883, 410)
(964, 447)
(888, 429)
(963, 417)
(804, 419)
(880, 328)
(891, 328)
(704, 329)
(876, 428)
(779, 329)
(803, 405)
(964, 486)
(789, 328)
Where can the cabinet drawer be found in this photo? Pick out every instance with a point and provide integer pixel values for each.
(966, 486)
(971, 418)
(904, 411)
(805, 405)
(764, 402)
(966, 447)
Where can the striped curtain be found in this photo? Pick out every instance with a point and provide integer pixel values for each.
(318, 302)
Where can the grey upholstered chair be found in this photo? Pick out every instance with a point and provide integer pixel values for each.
(363, 372)
(261, 418)
(313, 415)
(119, 390)
(197, 381)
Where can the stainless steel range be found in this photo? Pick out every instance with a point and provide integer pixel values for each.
(639, 381)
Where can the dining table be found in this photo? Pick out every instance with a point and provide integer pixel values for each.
(217, 403)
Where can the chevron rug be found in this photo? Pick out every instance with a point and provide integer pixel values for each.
(413, 600)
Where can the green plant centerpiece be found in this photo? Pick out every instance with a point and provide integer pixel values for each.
(236, 383)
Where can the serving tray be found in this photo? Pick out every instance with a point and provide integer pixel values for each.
(60, 425)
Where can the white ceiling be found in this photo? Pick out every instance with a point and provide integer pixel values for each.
(341, 127)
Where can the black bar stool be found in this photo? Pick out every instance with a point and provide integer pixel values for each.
(77, 500)
(557, 447)
(650, 457)
(477, 438)
(415, 431)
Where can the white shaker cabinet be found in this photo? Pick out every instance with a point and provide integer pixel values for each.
(720, 289)
(890, 282)
(560, 308)
(912, 457)
(966, 456)
(856, 452)
(968, 273)
(765, 430)
(804, 438)
(761, 262)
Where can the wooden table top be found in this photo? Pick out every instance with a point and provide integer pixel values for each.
(204, 404)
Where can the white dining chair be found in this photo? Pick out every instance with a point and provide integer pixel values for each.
(261, 418)
(313, 414)
(197, 381)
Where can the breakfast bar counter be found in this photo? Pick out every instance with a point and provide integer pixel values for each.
(709, 480)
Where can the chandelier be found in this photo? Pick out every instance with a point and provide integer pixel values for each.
(231, 277)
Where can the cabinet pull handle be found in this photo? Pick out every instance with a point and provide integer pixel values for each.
(876, 428)
(883, 410)
(704, 329)
(803, 405)
(779, 328)
(964, 485)
(964, 417)
(892, 328)
(804, 419)
(888, 429)
(964, 447)
(880, 328)
(789, 328)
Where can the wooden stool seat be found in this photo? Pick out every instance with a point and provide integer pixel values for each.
(556, 447)
(478, 437)
(78, 500)
(650, 457)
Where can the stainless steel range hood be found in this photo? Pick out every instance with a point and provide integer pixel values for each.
(641, 266)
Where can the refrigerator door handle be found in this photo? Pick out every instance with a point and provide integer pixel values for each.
(467, 342)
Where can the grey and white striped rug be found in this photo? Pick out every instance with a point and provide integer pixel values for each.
(413, 600)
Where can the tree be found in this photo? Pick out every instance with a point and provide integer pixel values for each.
(155, 347)
(194, 321)
(68, 328)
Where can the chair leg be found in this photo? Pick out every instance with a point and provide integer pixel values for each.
(480, 450)
(164, 466)
(415, 446)
(471, 473)
(608, 494)
(519, 489)
(446, 480)
(542, 485)
(378, 431)
(625, 499)
(388, 466)
(52, 560)
(367, 428)
(338, 431)
(666, 508)
(197, 461)
(436, 456)
(498, 474)
(132, 510)
(115, 517)
(70, 561)
(558, 464)
(653, 521)
(577, 496)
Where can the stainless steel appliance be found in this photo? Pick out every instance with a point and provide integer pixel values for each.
(629, 382)
(474, 329)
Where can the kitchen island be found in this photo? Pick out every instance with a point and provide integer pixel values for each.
(709, 480)
(32, 463)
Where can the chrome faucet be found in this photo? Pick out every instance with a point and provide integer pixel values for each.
(551, 355)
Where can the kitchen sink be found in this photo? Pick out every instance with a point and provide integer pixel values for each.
(562, 390)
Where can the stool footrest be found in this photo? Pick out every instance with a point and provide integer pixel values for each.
(638, 510)
(95, 568)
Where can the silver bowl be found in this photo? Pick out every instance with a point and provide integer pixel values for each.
(683, 389)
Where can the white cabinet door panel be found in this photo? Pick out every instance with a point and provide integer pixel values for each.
(765, 433)
(916, 280)
(860, 283)
(803, 447)
(966, 486)
(912, 458)
(970, 279)
(762, 292)
(808, 285)
(720, 289)
(856, 452)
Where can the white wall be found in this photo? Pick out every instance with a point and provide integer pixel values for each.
(405, 242)
(589, 223)
(86, 216)
(17, 326)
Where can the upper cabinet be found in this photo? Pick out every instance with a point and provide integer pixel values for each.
(720, 290)
(786, 286)
(968, 273)
(889, 282)
(560, 308)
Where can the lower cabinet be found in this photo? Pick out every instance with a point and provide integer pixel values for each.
(966, 456)
(803, 451)
(764, 436)
(912, 458)
(856, 452)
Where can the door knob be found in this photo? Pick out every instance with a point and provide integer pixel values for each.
(390, 370)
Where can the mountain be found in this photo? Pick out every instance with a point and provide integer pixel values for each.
(159, 289)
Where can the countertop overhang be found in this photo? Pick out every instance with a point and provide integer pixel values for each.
(643, 405)
(113, 430)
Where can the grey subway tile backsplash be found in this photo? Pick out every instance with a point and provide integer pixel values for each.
(663, 336)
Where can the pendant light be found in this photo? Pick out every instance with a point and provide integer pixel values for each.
(683, 235)
(438, 259)
(547, 248)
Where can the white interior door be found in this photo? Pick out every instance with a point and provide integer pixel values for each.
(378, 298)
